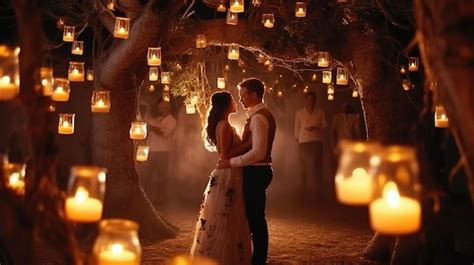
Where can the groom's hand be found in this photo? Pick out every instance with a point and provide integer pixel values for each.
(223, 163)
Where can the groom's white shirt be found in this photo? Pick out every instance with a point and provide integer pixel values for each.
(259, 128)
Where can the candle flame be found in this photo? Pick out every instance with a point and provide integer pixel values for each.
(391, 195)
(100, 103)
(117, 249)
(81, 194)
(5, 80)
(14, 179)
(359, 174)
(443, 117)
(75, 71)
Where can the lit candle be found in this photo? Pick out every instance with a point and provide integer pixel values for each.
(68, 36)
(16, 183)
(314, 77)
(82, 208)
(76, 76)
(412, 66)
(100, 107)
(121, 33)
(117, 255)
(153, 76)
(141, 157)
(330, 96)
(138, 130)
(394, 214)
(7, 90)
(236, 7)
(356, 189)
(221, 82)
(154, 60)
(355, 93)
(442, 121)
(190, 109)
(268, 24)
(221, 8)
(300, 12)
(233, 54)
(342, 80)
(327, 77)
(60, 95)
(65, 128)
(322, 62)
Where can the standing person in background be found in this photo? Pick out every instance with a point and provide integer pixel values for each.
(309, 125)
(154, 172)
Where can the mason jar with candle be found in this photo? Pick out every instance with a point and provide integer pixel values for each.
(85, 194)
(154, 56)
(330, 97)
(61, 89)
(68, 33)
(117, 243)
(354, 182)
(323, 59)
(342, 77)
(47, 79)
(77, 47)
(166, 96)
(142, 153)
(413, 64)
(220, 82)
(138, 130)
(9, 73)
(122, 27)
(237, 6)
(327, 77)
(406, 85)
(14, 177)
(233, 53)
(300, 9)
(76, 72)
(403, 69)
(201, 41)
(166, 88)
(66, 123)
(441, 119)
(90, 74)
(232, 18)
(153, 73)
(268, 20)
(100, 102)
(395, 208)
(221, 7)
(330, 88)
(165, 78)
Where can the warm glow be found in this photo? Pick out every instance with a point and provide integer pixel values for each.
(5, 80)
(117, 249)
(391, 195)
(81, 194)
(14, 179)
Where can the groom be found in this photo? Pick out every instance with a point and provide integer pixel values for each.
(256, 163)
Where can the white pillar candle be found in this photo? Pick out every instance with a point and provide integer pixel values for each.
(82, 208)
(356, 189)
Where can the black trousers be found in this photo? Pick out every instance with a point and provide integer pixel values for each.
(256, 180)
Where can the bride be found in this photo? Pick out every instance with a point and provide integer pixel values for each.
(222, 231)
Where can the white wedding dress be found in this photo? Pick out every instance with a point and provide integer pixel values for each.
(222, 231)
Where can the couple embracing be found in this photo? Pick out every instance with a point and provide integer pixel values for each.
(231, 220)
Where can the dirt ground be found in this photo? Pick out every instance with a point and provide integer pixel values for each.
(329, 234)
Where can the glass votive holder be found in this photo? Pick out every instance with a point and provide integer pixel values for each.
(138, 130)
(9, 73)
(14, 177)
(233, 53)
(323, 59)
(77, 47)
(395, 209)
(220, 82)
(300, 9)
(61, 89)
(232, 18)
(100, 102)
(76, 72)
(441, 119)
(66, 123)
(117, 243)
(413, 63)
(342, 77)
(201, 41)
(237, 6)
(268, 20)
(142, 153)
(122, 27)
(90, 74)
(154, 56)
(327, 77)
(85, 194)
(47, 80)
(165, 78)
(68, 33)
(153, 73)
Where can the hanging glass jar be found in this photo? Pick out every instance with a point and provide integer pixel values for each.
(233, 53)
(153, 73)
(166, 88)
(327, 77)
(100, 102)
(396, 209)
(221, 7)
(77, 47)
(68, 33)
(441, 119)
(154, 56)
(85, 194)
(201, 41)
(165, 78)
(232, 18)
(237, 6)
(323, 59)
(268, 20)
(406, 84)
(142, 153)
(47, 80)
(66, 123)
(220, 82)
(9, 73)
(76, 71)
(413, 64)
(190, 108)
(355, 93)
(342, 77)
(117, 243)
(90, 74)
(354, 182)
(330, 88)
(122, 27)
(403, 69)
(60, 23)
(166, 97)
(61, 89)
(14, 177)
(300, 9)
(138, 130)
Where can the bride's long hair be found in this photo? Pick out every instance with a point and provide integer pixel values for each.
(220, 102)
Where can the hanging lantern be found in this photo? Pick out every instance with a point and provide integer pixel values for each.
(46, 76)
(77, 47)
(14, 177)
(138, 130)
(396, 209)
(166, 88)
(117, 243)
(221, 8)
(142, 153)
(330, 97)
(355, 93)
(342, 77)
(151, 88)
(85, 194)
(61, 89)
(226, 67)
(122, 27)
(268, 20)
(66, 123)
(201, 41)
(406, 84)
(166, 96)
(76, 71)
(190, 108)
(413, 64)
(330, 89)
(154, 56)
(403, 69)
(441, 119)
(314, 77)
(60, 23)
(300, 9)
(232, 18)
(233, 53)
(237, 6)
(68, 33)
(100, 102)
(165, 78)
(221, 82)
(90, 74)
(111, 4)
(323, 59)
(327, 77)
(354, 182)
(9, 73)
(153, 74)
